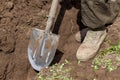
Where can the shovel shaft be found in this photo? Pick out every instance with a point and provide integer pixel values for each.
(51, 15)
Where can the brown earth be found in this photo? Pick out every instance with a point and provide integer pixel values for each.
(18, 17)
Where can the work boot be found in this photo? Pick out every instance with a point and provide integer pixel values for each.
(91, 44)
(79, 36)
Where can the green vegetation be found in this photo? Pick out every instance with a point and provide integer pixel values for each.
(79, 62)
(109, 64)
(113, 50)
(57, 72)
(107, 40)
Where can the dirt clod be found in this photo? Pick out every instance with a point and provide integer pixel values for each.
(9, 5)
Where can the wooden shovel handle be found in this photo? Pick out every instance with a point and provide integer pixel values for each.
(51, 15)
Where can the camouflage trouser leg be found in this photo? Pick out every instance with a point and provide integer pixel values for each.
(97, 13)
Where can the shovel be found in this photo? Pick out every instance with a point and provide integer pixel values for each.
(43, 43)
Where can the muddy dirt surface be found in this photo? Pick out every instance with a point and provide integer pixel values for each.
(18, 17)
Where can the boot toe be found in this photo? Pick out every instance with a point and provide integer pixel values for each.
(85, 53)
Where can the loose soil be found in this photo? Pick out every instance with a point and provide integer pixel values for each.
(18, 17)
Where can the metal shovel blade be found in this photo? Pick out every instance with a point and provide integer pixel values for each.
(41, 48)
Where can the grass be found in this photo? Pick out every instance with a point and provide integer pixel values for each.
(57, 72)
(107, 63)
(112, 50)
(79, 62)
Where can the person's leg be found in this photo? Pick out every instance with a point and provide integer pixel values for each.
(98, 13)
(95, 14)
